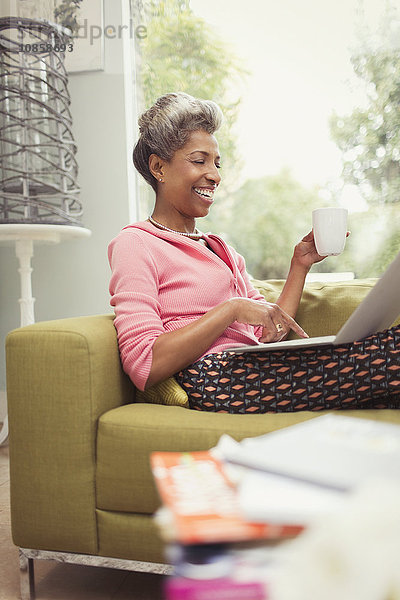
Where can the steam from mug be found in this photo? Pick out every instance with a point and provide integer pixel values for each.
(330, 229)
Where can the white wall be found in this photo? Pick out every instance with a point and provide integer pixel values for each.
(71, 278)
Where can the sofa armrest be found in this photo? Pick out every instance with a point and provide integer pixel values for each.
(61, 377)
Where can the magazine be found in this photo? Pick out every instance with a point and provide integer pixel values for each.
(201, 504)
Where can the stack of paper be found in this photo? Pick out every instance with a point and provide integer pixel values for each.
(300, 473)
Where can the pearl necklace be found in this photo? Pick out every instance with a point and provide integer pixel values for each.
(196, 235)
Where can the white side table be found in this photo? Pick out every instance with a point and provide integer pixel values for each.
(25, 236)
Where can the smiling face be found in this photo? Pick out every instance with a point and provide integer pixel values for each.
(190, 179)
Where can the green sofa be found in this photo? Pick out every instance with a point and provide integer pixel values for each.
(81, 486)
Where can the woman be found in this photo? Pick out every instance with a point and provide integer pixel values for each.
(183, 298)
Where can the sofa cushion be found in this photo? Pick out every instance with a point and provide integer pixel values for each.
(128, 434)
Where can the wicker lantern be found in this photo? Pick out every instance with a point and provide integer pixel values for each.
(38, 168)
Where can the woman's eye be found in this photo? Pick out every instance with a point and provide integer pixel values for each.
(201, 162)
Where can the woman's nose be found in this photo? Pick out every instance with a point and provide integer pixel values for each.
(215, 176)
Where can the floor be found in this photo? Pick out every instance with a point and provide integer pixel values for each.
(56, 581)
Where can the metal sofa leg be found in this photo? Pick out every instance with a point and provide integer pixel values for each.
(27, 577)
(28, 555)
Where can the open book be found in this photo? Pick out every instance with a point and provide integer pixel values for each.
(305, 471)
(332, 451)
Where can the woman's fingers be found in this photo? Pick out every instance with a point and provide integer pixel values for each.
(309, 237)
(296, 327)
(274, 332)
(269, 336)
(276, 323)
(279, 326)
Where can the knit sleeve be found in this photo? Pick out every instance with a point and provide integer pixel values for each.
(134, 296)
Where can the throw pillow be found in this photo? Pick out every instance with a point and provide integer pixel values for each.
(167, 392)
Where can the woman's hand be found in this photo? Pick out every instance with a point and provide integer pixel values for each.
(275, 321)
(305, 253)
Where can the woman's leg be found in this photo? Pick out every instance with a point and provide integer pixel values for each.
(364, 374)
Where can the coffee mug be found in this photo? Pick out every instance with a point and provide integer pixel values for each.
(330, 229)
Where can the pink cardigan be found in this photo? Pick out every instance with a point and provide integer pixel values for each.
(162, 281)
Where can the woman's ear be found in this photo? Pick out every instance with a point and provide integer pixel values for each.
(156, 166)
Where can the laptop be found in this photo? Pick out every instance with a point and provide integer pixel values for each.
(377, 312)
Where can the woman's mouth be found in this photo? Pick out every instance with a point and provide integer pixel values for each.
(206, 194)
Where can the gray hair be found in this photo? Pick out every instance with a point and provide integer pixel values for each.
(166, 126)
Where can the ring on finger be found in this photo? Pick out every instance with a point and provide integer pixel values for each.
(279, 327)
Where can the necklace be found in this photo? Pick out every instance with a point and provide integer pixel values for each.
(196, 235)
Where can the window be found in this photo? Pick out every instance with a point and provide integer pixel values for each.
(310, 91)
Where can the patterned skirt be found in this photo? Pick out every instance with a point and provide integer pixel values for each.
(363, 374)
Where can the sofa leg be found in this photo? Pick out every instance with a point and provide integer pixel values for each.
(28, 555)
(27, 577)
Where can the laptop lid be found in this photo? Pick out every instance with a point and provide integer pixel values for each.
(379, 309)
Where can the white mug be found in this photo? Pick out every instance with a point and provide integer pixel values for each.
(330, 229)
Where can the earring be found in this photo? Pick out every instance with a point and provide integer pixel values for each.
(161, 179)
